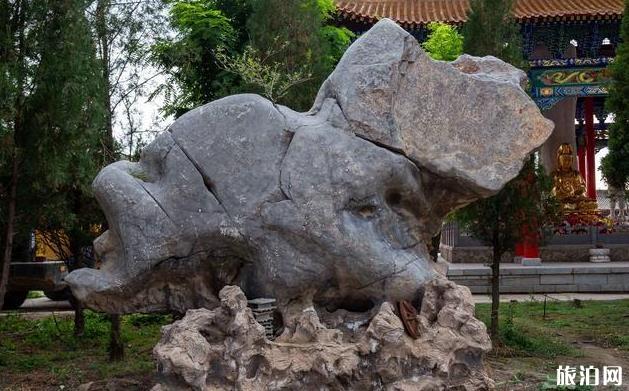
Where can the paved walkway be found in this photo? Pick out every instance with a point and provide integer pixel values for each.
(40, 308)
(45, 304)
(543, 266)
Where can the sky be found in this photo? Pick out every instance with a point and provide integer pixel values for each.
(600, 183)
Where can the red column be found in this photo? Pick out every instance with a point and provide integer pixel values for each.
(581, 159)
(590, 140)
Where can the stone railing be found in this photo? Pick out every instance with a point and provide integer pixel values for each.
(459, 247)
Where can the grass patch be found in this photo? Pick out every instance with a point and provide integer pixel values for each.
(520, 336)
(35, 294)
(46, 348)
(551, 384)
(574, 333)
(527, 332)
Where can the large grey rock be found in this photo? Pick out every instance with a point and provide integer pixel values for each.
(333, 206)
(226, 349)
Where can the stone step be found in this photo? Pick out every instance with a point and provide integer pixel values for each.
(546, 278)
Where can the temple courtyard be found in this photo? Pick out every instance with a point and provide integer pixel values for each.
(586, 331)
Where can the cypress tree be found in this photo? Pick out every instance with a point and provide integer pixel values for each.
(525, 203)
(54, 125)
(298, 35)
(64, 114)
(490, 30)
(615, 166)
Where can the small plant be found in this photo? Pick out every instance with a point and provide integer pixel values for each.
(258, 70)
(139, 320)
(35, 294)
(444, 42)
(141, 175)
(551, 384)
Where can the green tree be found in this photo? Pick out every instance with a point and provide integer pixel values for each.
(490, 30)
(64, 129)
(54, 122)
(444, 42)
(124, 32)
(498, 221)
(220, 45)
(301, 40)
(189, 60)
(508, 217)
(261, 74)
(17, 37)
(615, 166)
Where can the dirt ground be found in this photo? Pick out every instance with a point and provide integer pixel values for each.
(509, 373)
(527, 373)
(41, 354)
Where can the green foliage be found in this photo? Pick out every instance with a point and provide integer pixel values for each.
(268, 79)
(47, 347)
(444, 42)
(202, 23)
(189, 59)
(54, 116)
(336, 41)
(527, 333)
(297, 35)
(124, 32)
(551, 384)
(514, 214)
(35, 294)
(497, 221)
(64, 125)
(526, 201)
(615, 166)
(526, 343)
(64, 114)
(491, 30)
(522, 205)
(226, 47)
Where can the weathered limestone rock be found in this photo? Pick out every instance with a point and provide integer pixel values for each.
(225, 349)
(332, 207)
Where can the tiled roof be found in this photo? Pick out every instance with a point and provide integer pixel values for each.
(415, 12)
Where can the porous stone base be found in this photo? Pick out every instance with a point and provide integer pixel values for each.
(226, 349)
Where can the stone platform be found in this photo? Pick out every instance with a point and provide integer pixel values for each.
(546, 278)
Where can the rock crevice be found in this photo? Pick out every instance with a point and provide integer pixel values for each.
(337, 203)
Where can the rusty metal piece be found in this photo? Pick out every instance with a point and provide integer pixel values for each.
(408, 314)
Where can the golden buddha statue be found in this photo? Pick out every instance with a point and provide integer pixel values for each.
(569, 186)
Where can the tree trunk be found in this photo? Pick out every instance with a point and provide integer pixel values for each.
(79, 316)
(434, 246)
(102, 10)
(495, 293)
(116, 347)
(9, 229)
(5, 261)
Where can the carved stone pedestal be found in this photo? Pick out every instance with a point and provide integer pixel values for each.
(226, 349)
(599, 255)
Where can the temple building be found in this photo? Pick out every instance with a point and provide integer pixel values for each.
(569, 45)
